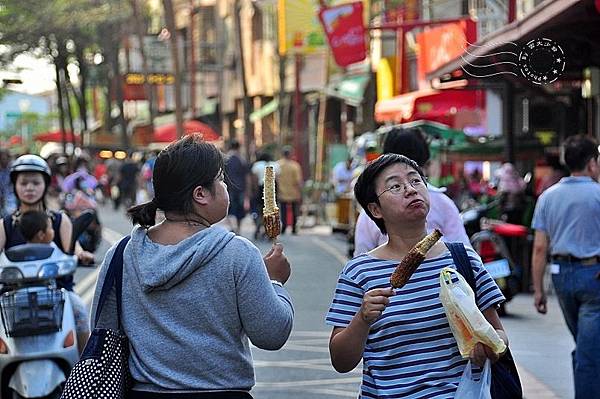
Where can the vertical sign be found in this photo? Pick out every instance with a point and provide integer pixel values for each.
(345, 30)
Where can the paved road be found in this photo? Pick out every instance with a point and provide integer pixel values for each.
(302, 369)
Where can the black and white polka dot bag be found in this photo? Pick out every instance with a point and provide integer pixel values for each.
(103, 370)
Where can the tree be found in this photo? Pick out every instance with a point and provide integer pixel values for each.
(170, 21)
(65, 31)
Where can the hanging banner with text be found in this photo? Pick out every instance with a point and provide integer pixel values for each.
(345, 31)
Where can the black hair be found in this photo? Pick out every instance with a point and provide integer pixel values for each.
(234, 145)
(264, 156)
(578, 150)
(32, 222)
(408, 142)
(180, 168)
(364, 189)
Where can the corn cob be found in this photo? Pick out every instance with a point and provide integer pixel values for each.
(270, 210)
(413, 259)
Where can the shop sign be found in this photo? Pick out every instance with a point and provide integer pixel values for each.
(299, 29)
(153, 78)
(345, 30)
(441, 44)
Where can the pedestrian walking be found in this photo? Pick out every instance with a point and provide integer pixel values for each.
(511, 190)
(128, 182)
(443, 214)
(567, 225)
(289, 183)
(236, 173)
(403, 336)
(194, 294)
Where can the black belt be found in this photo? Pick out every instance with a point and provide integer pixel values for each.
(592, 260)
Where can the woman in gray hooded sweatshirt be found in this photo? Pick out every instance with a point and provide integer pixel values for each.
(195, 295)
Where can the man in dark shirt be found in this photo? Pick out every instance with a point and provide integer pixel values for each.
(237, 173)
(128, 183)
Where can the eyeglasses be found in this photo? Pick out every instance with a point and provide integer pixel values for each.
(400, 188)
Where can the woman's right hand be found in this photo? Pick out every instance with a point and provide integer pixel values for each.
(277, 264)
(374, 303)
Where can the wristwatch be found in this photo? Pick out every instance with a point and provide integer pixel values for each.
(279, 283)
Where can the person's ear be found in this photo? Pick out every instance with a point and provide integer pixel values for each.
(201, 195)
(40, 236)
(375, 210)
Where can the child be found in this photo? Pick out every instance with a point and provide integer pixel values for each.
(36, 227)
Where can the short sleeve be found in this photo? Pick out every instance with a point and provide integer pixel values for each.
(347, 300)
(538, 222)
(488, 294)
(366, 234)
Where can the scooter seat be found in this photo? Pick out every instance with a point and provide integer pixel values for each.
(510, 230)
(29, 252)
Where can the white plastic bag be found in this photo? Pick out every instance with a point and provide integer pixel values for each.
(469, 388)
(467, 323)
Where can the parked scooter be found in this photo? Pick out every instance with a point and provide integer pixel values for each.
(38, 341)
(490, 244)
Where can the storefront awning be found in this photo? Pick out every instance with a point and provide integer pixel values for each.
(351, 89)
(567, 22)
(265, 110)
(433, 105)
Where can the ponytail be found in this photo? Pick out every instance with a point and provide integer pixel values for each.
(143, 214)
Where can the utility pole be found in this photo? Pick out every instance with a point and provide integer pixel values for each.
(192, 65)
(247, 106)
(170, 20)
(139, 28)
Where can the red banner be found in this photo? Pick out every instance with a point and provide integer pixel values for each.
(345, 30)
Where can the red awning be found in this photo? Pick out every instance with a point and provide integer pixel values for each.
(56, 136)
(168, 133)
(433, 105)
(15, 140)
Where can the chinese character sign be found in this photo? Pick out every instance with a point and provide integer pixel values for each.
(345, 32)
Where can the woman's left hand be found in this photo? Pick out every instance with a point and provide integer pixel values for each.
(481, 353)
(85, 257)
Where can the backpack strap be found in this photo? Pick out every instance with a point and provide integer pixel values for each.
(462, 262)
(114, 277)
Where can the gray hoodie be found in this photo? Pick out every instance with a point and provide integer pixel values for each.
(190, 308)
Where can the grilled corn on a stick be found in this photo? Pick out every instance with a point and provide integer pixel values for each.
(413, 259)
(270, 209)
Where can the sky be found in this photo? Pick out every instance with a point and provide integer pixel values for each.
(37, 74)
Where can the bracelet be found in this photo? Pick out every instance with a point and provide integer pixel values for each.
(275, 282)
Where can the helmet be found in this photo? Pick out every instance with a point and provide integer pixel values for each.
(30, 163)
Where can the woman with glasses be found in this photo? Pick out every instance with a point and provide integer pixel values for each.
(443, 214)
(402, 336)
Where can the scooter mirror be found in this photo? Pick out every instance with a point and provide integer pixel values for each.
(81, 223)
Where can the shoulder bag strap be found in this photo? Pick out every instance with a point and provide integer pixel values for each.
(114, 274)
(461, 260)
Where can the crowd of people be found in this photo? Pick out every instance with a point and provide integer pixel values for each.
(186, 287)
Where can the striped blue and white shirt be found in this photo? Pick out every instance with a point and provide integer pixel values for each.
(410, 352)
